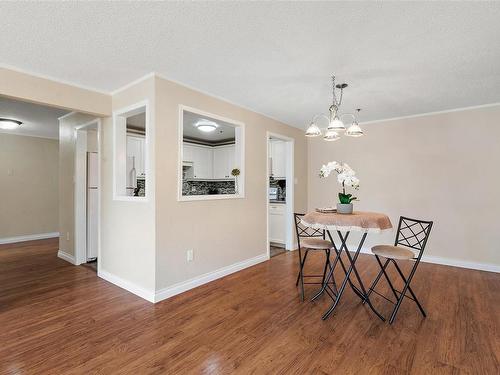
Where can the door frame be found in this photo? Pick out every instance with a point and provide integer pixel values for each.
(80, 191)
(290, 190)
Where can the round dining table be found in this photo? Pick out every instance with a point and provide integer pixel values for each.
(343, 224)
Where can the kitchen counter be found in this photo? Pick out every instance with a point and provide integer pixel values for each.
(279, 201)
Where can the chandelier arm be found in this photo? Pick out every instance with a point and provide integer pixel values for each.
(315, 117)
(349, 114)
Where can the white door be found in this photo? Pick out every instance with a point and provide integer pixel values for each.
(92, 204)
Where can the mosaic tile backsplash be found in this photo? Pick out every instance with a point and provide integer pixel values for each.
(207, 187)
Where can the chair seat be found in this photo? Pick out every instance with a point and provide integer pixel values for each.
(393, 252)
(315, 243)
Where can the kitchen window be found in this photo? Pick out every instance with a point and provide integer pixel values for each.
(211, 156)
(131, 155)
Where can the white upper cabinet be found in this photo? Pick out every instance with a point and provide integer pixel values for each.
(188, 152)
(202, 162)
(210, 162)
(278, 158)
(224, 161)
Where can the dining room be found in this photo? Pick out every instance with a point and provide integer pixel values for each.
(284, 188)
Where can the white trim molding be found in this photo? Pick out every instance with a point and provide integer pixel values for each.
(184, 286)
(53, 79)
(424, 114)
(461, 263)
(28, 237)
(489, 267)
(67, 257)
(129, 286)
(119, 151)
(239, 155)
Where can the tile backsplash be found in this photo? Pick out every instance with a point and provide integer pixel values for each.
(207, 187)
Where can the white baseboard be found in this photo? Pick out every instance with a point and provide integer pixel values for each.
(148, 295)
(462, 263)
(451, 262)
(65, 256)
(28, 237)
(183, 286)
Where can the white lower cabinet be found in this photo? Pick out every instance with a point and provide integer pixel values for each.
(277, 223)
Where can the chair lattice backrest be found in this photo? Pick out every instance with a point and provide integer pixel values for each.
(303, 231)
(413, 233)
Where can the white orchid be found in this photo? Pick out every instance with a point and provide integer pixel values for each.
(346, 177)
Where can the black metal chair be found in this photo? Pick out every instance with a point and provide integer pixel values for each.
(412, 234)
(311, 239)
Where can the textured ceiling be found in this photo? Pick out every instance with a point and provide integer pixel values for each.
(37, 120)
(276, 58)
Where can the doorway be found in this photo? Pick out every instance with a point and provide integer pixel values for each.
(87, 193)
(279, 194)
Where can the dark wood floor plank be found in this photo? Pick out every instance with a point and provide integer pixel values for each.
(56, 318)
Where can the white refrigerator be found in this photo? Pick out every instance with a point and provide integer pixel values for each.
(92, 204)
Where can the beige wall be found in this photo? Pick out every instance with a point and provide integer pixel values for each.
(30, 193)
(27, 87)
(441, 167)
(67, 126)
(127, 228)
(221, 232)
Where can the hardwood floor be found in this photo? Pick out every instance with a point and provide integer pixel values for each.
(56, 318)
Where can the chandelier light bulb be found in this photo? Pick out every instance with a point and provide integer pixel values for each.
(313, 130)
(354, 130)
(336, 124)
(331, 135)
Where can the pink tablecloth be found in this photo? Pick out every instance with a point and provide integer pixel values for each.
(371, 222)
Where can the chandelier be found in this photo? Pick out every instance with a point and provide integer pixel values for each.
(335, 123)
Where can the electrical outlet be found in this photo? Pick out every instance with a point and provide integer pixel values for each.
(67, 236)
(190, 255)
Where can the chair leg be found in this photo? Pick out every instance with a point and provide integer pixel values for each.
(403, 292)
(409, 289)
(387, 276)
(327, 263)
(301, 274)
(301, 262)
(327, 278)
(375, 282)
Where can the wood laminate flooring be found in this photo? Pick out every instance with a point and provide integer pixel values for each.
(56, 318)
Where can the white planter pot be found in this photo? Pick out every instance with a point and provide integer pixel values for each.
(344, 208)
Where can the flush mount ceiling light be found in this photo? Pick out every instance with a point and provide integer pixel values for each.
(335, 123)
(9, 124)
(206, 126)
